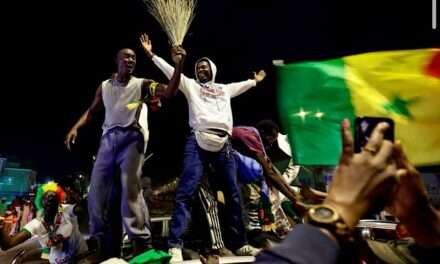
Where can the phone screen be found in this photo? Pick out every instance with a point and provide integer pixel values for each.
(364, 127)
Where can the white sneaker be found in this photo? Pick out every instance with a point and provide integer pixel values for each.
(176, 255)
(247, 250)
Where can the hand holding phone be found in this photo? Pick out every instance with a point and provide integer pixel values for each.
(364, 126)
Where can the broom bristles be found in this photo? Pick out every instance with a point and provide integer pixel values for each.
(174, 16)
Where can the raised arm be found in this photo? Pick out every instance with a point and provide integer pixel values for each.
(241, 87)
(359, 183)
(410, 204)
(96, 105)
(156, 89)
(164, 66)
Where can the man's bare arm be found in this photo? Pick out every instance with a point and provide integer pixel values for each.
(96, 105)
(7, 242)
(170, 90)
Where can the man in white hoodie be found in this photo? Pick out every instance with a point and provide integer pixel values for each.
(210, 117)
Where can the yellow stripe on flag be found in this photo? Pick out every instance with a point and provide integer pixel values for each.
(395, 84)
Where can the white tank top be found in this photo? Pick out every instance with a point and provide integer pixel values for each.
(116, 96)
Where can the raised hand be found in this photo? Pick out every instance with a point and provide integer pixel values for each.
(259, 76)
(146, 44)
(410, 203)
(361, 179)
(178, 54)
(410, 190)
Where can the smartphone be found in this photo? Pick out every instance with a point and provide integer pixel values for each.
(364, 127)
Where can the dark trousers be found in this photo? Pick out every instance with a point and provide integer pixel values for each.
(195, 160)
(115, 191)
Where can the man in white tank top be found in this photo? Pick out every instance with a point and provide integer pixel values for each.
(125, 135)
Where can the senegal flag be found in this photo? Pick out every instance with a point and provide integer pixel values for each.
(404, 85)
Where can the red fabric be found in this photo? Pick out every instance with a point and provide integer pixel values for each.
(250, 137)
(155, 103)
(61, 195)
(401, 231)
(433, 68)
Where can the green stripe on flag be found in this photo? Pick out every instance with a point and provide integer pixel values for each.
(313, 99)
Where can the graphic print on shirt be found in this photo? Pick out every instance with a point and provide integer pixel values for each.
(207, 91)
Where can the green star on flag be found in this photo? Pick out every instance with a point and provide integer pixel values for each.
(400, 106)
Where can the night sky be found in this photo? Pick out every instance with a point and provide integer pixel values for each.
(57, 53)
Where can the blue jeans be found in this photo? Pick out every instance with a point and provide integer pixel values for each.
(195, 159)
(115, 190)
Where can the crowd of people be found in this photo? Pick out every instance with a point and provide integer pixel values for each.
(17, 213)
(252, 206)
(51, 216)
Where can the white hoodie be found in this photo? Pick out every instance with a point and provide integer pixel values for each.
(209, 103)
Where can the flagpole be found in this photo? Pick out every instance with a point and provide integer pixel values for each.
(434, 14)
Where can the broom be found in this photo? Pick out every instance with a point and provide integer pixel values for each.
(174, 16)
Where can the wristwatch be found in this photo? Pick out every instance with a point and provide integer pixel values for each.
(327, 217)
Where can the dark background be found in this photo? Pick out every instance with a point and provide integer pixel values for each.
(57, 53)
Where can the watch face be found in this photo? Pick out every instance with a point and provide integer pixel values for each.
(326, 216)
(323, 212)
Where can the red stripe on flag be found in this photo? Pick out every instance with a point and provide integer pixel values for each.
(433, 68)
